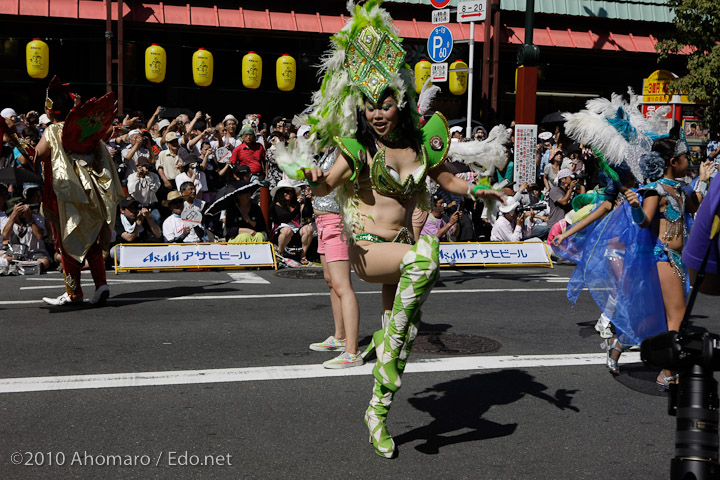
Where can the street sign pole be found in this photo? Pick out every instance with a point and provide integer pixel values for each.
(471, 66)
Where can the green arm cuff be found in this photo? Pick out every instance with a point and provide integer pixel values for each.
(353, 150)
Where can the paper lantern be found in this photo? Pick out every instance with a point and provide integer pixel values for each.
(285, 72)
(458, 80)
(202, 65)
(38, 58)
(422, 73)
(155, 63)
(251, 70)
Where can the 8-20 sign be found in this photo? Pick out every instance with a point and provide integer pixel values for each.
(472, 11)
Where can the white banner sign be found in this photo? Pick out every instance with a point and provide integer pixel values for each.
(192, 255)
(525, 154)
(439, 72)
(494, 254)
(440, 16)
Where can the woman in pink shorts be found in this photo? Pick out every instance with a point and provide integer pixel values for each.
(333, 251)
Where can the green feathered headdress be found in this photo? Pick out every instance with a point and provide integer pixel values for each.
(365, 59)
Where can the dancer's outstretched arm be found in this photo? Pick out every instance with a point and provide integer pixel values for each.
(596, 214)
(322, 183)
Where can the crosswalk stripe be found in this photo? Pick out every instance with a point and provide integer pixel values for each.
(247, 277)
(294, 372)
(195, 298)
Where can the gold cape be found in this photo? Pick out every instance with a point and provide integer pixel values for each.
(88, 190)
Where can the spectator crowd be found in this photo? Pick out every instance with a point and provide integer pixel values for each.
(190, 179)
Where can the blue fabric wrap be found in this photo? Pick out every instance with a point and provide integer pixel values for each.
(615, 262)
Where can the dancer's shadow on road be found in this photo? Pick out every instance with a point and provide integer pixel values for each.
(459, 405)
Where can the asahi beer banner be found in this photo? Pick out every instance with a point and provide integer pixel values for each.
(494, 254)
(193, 255)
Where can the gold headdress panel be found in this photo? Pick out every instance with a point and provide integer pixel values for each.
(366, 58)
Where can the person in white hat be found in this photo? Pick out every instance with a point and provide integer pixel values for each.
(510, 224)
(456, 134)
(140, 146)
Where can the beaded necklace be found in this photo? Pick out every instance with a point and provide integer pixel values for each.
(674, 210)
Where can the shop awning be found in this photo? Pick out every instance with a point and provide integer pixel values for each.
(160, 13)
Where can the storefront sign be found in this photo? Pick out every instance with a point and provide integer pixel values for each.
(161, 256)
(496, 254)
(656, 88)
(525, 154)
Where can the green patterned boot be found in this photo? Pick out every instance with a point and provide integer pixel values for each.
(375, 418)
(419, 269)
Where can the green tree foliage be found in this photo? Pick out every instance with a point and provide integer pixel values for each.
(696, 35)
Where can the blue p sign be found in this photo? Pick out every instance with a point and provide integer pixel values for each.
(440, 44)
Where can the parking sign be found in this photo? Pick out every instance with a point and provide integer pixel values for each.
(440, 44)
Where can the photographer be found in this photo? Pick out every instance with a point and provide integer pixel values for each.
(439, 224)
(143, 186)
(560, 197)
(26, 227)
(510, 225)
(140, 145)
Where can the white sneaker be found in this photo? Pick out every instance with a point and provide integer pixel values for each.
(63, 299)
(345, 360)
(101, 295)
(604, 331)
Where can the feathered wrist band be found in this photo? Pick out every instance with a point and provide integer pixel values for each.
(312, 184)
(638, 215)
(701, 187)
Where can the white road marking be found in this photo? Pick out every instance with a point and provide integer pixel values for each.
(195, 298)
(294, 372)
(247, 277)
(117, 280)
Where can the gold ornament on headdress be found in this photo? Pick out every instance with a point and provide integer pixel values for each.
(372, 57)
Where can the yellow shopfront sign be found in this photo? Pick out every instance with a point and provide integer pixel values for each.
(656, 88)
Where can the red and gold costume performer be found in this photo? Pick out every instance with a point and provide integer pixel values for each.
(82, 188)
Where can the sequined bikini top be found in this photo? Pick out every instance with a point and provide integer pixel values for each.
(386, 180)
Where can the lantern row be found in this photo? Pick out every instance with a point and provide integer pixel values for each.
(458, 81)
(37, 54)
(38, 62)
(202, 65)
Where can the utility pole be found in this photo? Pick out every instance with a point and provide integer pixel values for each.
(527, 58)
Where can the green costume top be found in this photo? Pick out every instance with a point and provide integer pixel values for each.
(384, 179)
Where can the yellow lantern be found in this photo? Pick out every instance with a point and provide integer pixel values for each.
(202, 64)
(155, 63)
(458, 80)
(37, 55)
(251, 70)
(422, 73)
(285, 72)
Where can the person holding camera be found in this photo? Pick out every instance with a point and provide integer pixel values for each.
(26, 227)
(135, 224)
(143, 186)
(510, 225)
(560, 197)
(140, 146)
(438, 223)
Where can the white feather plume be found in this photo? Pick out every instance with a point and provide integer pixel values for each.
(482, 157)
(427, 95)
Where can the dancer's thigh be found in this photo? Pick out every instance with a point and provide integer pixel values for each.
(378, 262)
(673, 295)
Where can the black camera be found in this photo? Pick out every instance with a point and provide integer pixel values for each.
(694, 401)
(536, 207)
(577, 176)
